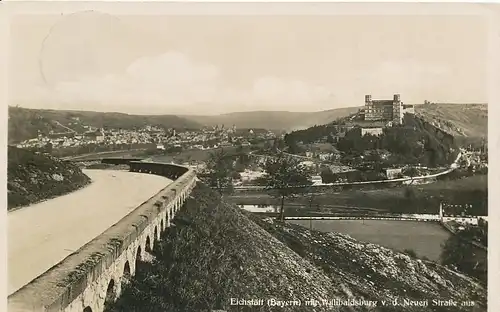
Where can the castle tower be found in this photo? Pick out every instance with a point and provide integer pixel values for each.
(368, 107)
(397, 110)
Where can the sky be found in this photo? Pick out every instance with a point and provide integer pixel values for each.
(205, 65)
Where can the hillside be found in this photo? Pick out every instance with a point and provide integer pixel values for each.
(274, 120)
(416, 141)
(26, 123)
(469, 120)
(214, 252)
(33, 177)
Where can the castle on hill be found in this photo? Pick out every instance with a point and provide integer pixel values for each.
(386, 110)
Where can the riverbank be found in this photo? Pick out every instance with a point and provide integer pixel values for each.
(33, 178)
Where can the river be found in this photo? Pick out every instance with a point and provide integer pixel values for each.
(425, 238)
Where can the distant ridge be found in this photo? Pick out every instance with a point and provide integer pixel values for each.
(275, 120)
(467, 120)
(26, 123)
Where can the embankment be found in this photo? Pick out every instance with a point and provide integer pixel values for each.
(215, 252)
(34, 177)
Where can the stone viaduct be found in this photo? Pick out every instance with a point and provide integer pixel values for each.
(93, 275)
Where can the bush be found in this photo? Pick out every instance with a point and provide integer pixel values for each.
(411, 253)
(459, 253)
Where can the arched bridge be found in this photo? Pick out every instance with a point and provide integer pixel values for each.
(93, 275)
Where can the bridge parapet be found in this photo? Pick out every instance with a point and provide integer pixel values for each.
(93, 275)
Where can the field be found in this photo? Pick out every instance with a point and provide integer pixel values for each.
(425, 238)
(414, 199)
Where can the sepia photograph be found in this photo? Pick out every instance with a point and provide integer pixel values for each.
(167, 158)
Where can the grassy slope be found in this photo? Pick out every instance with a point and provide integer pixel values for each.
(25, 123)
(215, 252)
(33, 177)
(469, 120)
(426, 198)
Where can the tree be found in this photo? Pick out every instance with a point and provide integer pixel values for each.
(411, 172)
(239, 147)
(278, 144)
(311, 201)
(330, 139)
(459, 253)
(284, 174)
(219, 171)
(327, 175)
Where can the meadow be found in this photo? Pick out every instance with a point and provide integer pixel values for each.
(411, 199)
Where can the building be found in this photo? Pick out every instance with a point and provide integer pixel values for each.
(386, 110)
(459, 214)
(393, 173)
(372, 131)
(408, 109)
(97, 136)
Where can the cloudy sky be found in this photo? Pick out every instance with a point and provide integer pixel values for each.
(217, 64)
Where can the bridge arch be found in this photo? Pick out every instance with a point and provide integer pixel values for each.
(138, 259)
(148, 244)
(126, 270)
(138, 235)
(111, 292)
(157, 237)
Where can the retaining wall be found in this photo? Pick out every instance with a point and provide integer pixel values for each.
(82, 280)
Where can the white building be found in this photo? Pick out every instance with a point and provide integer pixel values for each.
(372, 131)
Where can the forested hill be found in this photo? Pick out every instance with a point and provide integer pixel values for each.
(27, 123)
(33, 177)
(417, 141)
